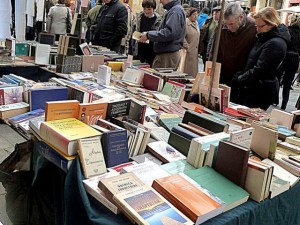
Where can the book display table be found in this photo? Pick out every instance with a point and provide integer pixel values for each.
(59, 198)
(27, 70)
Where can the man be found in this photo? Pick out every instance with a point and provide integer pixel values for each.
(91, 20)
(111, 25)
(207, 30)
(203, 16)
(168, 40)
(237, 38)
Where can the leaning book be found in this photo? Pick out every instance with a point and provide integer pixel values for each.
(146, 206)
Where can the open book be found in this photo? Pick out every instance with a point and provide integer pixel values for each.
(136, 36)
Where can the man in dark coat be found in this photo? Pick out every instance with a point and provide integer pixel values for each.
(111, 25)
(237, 39)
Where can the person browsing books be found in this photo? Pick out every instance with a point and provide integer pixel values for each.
(145, 21)
(257, 83)
(168, 40)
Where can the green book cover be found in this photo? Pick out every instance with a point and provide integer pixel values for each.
(180, 166)
(169, 123)
(22, 49)
(219, 186)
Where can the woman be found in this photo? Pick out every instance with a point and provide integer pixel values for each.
(258, 83)
(291, 61)
(191, 43)
(143, 22)
(59, 19)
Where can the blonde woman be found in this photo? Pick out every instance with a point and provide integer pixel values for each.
(257, 83)
(191, 43)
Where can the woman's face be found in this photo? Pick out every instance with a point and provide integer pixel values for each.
(193, 17)
(148, 12)
(262, 26)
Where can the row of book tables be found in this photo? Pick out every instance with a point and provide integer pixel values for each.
(124, 144)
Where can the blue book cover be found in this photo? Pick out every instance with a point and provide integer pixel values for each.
(26, 116)
(184, 132)
(54, 156)
(39, 97)
(115, 147)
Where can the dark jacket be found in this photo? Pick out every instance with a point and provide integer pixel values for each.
(258, 79)
(111, 25)
(170, 35)
(294, 45)
(204, 39)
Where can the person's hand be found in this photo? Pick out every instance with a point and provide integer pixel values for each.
(143, 37)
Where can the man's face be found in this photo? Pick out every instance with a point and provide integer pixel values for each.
(233, 23)
(216, 16)
(148, 12)
(106, 1)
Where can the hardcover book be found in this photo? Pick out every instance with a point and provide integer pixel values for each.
(91, 156)
(232, 161)
(219, 186)
(152, 82)
(89, 113)
(180, 143)
(186, 195)
(148, 207)
(10, 95)
(242, 137)
(56, 110)
(164, 151)
(118, 108)
(63, 134)
(12, 110)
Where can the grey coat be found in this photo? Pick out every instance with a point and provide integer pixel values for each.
(57, 19)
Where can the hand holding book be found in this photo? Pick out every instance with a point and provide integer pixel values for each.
(140, 37)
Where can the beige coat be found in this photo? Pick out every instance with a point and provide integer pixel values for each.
(191, 43)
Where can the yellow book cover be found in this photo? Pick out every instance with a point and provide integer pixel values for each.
(56, 110)
(89, 113)
(63, 134)
(115, 66)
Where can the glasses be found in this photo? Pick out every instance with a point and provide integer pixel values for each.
(261, 26)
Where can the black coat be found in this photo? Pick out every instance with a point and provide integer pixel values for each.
(111, 25)
(258, 84)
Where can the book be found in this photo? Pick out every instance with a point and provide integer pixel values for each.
(12, 110)
(10, 95)
(104, 74)
(176, 167)
(91, 156)
(281, 117)
(55, 156)
(205, 122)
(146, 206)
(265, 147)
(25, 116)
(242, 137)
(219, 186)
(173, 89)
(63, 134)
(91, 186)
(114, 143)
(133, 76)
(85, 49)
(118, 108)
(38, 97)
(90, 63)
(180, 143)
(115, 66)
(147, 172)
(169, 123)
(89, 113)
(137, 110)
(254, 113)
(152, 82)
(164, 151)
(136, 36)
(293, 140)
(42, 54)
(56, 110)
(184, 132)
(146, 157)
(118, 168)
(35, 124)
(232, 161)
(278, 186)
(118, 184)
(186, 195)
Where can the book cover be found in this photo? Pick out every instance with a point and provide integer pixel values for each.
(35, 124)
(91, 156)
(180, 143)
(146, 172)
(25, 116)
(53, 155)
(12, 110)
(133, 76)
(242, 137)
(89, 113)
(232, 161)
(173, 89)
(38, 97)
(184, 132)
(254, 113)
(137, 110)
(118, 108)
(169, 123)
(146, 157)
(103, 75)
(152, 82)
(219, 186)
(278, 186)
(190, 199)
(281, 117)
(164, 151)
(204, 121)
(176, 167)
(10, 95)
(56, 110)
(63, 134)
(146, 206)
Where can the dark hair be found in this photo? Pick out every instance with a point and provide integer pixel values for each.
(205, 10)
(149, 4)
(61, 1)
(190, 11)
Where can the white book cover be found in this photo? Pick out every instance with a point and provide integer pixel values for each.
(104, 74)
(42, 54)
(133, 76)
(242, 137)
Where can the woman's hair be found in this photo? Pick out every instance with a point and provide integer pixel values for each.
(269, 15)
(149, 4)
(294, 19)
(190, 11)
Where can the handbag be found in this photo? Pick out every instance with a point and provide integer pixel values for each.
(69, 23)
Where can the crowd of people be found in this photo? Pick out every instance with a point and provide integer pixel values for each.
(258, 53)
